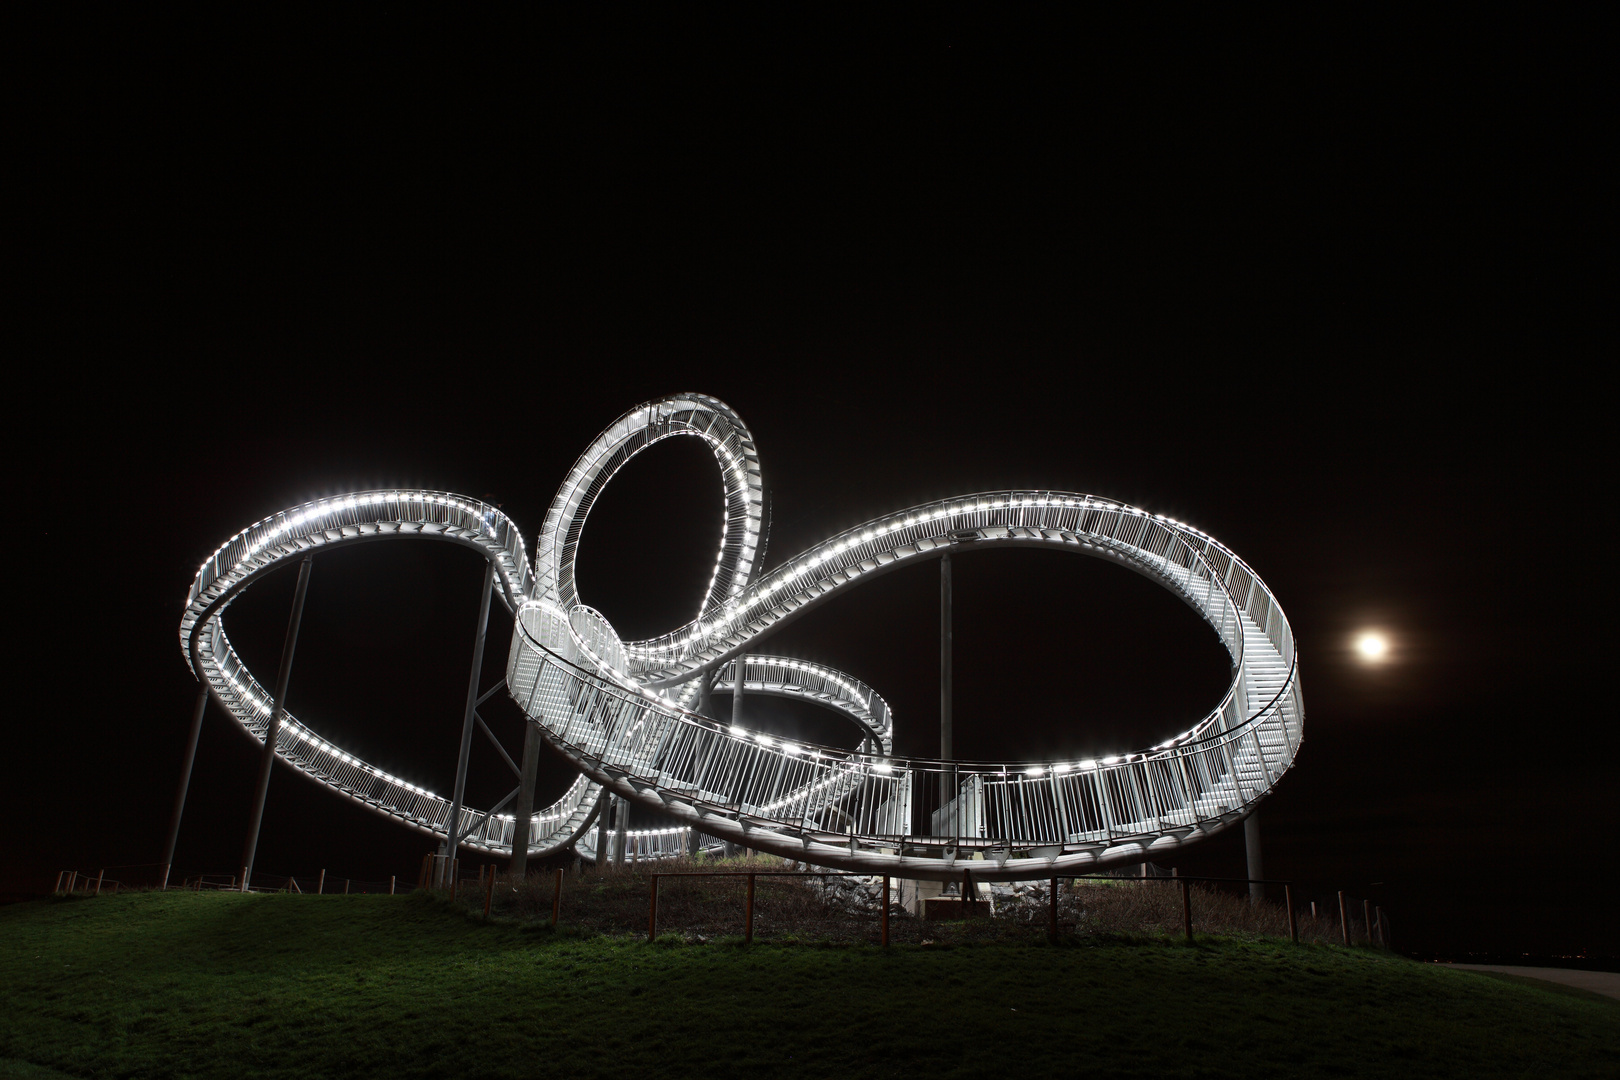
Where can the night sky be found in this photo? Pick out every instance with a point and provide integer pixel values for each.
(1327, 293)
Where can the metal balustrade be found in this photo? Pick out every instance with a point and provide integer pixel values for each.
(615, 709)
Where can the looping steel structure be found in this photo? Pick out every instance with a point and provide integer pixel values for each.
(622, 711)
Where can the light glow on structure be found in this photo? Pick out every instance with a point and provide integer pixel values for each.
(611, 707)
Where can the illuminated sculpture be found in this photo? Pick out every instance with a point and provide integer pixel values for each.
(622, 711)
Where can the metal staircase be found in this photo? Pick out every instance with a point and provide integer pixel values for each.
(620, 711)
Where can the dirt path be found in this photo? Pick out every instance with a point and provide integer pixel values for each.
(1606, 983)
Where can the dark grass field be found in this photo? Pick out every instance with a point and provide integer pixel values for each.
(220, 984)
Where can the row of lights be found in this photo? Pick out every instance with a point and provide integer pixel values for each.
(326, 507)
(863, 535)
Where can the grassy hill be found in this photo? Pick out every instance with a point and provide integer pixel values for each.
(284, 985)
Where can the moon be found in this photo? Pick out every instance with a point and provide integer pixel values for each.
(1372, 646)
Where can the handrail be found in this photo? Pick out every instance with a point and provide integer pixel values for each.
(599, 699)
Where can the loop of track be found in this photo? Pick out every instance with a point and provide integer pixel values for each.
(617, 709)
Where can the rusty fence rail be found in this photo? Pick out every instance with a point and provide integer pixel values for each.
(1372, 928)
(748, 903)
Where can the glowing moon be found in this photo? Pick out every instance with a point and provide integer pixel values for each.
(1372, 646)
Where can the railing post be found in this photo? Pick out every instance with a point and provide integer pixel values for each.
(1186, 909)
(556, 899)
(748, 914)
(885, 911)
(652, 910)
(1293, 923)
(1344, 918)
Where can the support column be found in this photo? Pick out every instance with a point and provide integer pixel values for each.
(278, 706)
(452, 832)
(949, 789)
(737, 691)
(524, 812)
(705, 701)
(1251, 840)
(621, 825)
(604, 829)
(185, 782)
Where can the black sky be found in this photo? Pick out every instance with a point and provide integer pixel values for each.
(1327, 292)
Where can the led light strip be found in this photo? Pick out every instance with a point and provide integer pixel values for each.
(735, 611)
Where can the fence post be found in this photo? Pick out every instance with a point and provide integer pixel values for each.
(556, 899)
(1186, 909)
(748, 914)
(1344, 918)
(59, 874)
(390, 884)
(98, 881)
(652, 910)
(345, 886)
(885, 911)
(1051, 915)
(73, 882)
(320, 884)
(244, 885)
(1293, 924)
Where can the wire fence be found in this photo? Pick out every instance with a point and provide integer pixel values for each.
(766, 898)
(762, 897)
(152, 877)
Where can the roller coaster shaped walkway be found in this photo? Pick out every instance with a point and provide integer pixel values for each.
(624, 712)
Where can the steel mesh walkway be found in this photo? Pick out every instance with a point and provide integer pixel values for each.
(620, 710)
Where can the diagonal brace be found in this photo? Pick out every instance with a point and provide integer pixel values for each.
(499, 749)
(491, 692)
(492, 811)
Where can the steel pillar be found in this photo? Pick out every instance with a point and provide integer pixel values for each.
(1251, 840)
(621, 826)
(705, 701)
(737, 691)
(604, 828)
(278, 705)
(523, 814)
(950, 791)
(185, 782)
(451, 837)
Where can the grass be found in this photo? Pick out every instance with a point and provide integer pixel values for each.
(177, 984)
